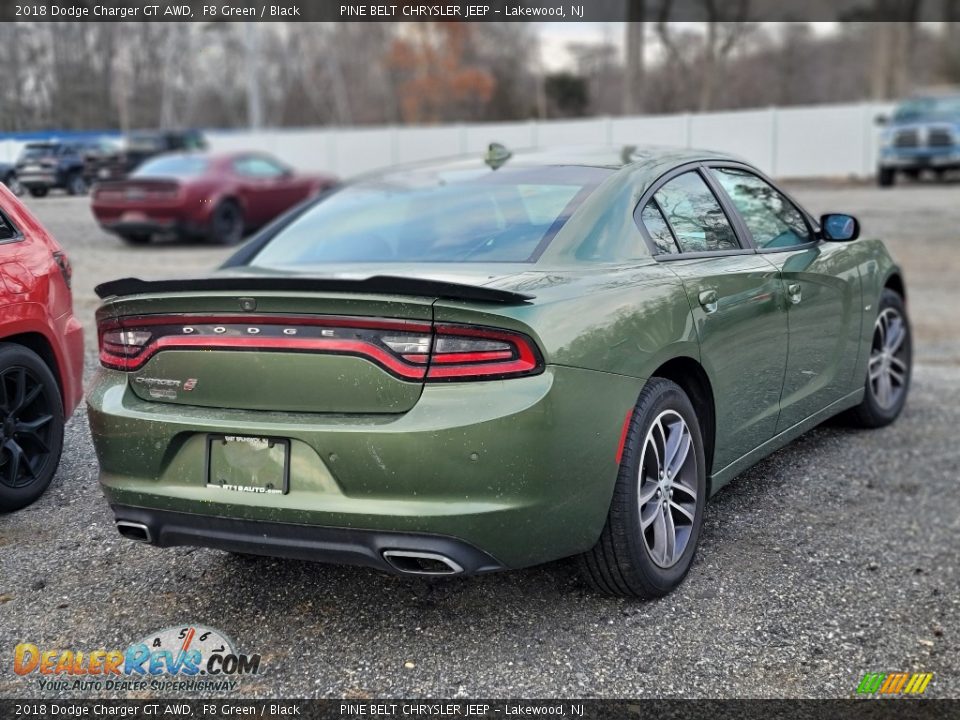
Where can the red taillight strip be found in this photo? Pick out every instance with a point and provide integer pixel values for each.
(472, 357)
(135, 321)
(522, 359)
(324, 345)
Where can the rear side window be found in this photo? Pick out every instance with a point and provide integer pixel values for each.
(773, 221)
(657, 227)
(695, 216)
(7, 231)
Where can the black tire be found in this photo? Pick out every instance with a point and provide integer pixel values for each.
(886, 177)
(872, 412)
(39, 191)
(31, 427)
(912, 174)
(226, 223)
(135, 238)
(622, 562)
(77, 184)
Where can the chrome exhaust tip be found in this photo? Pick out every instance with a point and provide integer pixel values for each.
(410, 562)
(134, 531)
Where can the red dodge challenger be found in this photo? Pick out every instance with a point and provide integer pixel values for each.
(41, 354)
(204, 196)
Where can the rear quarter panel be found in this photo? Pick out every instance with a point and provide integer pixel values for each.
(35, 299)
(603, 332)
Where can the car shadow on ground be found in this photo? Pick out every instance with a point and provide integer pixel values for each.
(540, 588)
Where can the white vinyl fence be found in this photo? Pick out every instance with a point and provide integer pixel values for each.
(797, 142)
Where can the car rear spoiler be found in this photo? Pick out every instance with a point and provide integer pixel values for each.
(376, 285)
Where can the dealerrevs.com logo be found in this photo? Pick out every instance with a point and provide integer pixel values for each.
(188, 658)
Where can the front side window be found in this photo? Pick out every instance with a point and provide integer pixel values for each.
(699, 223)
(455, 215)
(773, 221)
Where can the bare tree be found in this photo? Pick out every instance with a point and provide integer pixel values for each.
(950, 42)
(725, 30)
(633, 67)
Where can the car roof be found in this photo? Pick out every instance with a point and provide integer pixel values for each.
(614, 157)
(611, 156)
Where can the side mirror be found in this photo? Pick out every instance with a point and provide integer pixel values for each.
(881, 119)
(840, 228)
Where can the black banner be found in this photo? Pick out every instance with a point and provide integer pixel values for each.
(867, 709)
(470, 10)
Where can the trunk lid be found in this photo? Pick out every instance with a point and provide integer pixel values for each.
(278, 344)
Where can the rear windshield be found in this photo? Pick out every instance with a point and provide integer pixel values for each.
(507, 215)
(37, 151)
(172, 166)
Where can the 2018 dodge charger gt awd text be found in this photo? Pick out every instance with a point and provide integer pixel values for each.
(471, 366)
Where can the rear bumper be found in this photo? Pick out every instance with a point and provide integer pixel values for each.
(344, 546)
(522, 470)
(158, 226)
(39, 180)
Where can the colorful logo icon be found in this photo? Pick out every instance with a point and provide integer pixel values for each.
(895, 683)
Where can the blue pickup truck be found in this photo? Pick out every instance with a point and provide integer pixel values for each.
(923, 134)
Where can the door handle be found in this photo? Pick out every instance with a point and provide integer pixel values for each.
(795, 293)
(708, 299)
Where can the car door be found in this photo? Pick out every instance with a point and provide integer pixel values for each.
(267, 187)
(737, 303)
(821, 282)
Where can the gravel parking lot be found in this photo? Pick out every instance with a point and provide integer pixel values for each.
(835, 557)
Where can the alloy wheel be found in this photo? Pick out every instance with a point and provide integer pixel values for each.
(668, 488)
(25, 421)
(888, 368)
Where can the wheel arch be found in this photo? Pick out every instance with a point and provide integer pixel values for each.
(690, 375)
(38, 344)
(894, 282)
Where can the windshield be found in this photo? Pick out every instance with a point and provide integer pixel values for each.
(172, 166)
(919, 108)
(508, 215)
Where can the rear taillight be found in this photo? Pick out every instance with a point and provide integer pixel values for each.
(463, 352)
(410, 350)
(66, 270)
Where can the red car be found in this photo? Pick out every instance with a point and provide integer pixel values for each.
(199, 195)
(41, 354)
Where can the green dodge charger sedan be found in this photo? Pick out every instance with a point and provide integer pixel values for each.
(488, 363)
